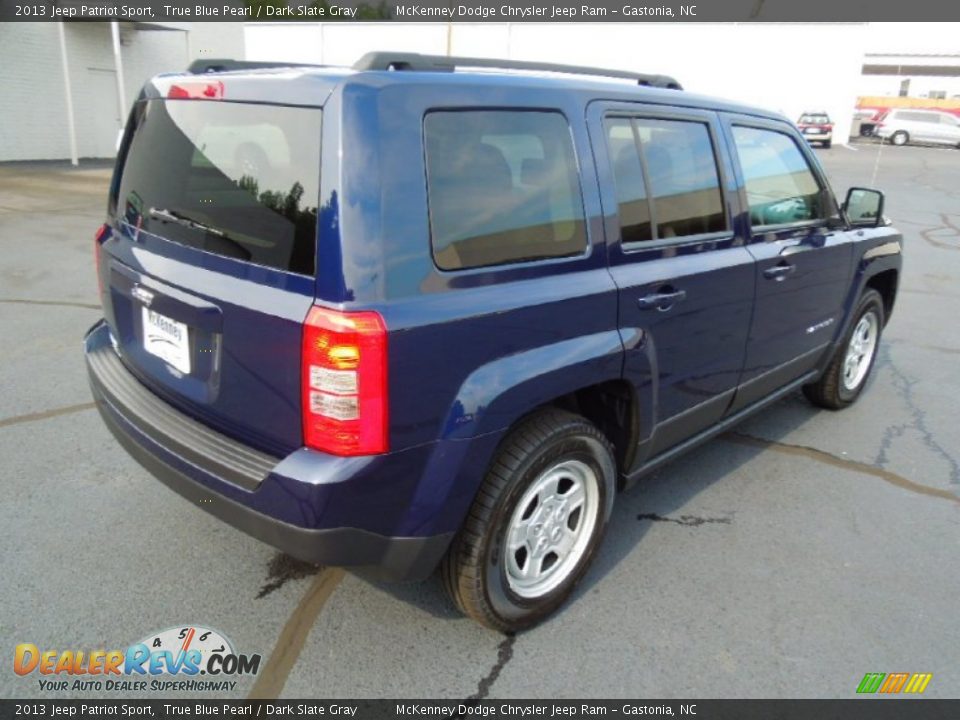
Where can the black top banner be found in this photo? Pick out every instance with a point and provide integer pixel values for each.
(479, 10)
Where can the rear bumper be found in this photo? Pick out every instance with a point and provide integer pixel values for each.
(260, 494)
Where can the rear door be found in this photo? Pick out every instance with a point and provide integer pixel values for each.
(803, 266)
(685, 280)
(210, 273)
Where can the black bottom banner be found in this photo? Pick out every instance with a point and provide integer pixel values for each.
(854, 709)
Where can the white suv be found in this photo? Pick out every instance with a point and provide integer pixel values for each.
(925, 126)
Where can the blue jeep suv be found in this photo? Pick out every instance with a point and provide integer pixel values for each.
(435, 312)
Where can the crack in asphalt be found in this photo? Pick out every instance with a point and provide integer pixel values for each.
(504, 655)
(903, 386)
(827, 458)
(46, 414)
(948, 229)
(282, 569)
(55, 303)
(687, 520)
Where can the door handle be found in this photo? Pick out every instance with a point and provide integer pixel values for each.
(779, 272)
(662, 300)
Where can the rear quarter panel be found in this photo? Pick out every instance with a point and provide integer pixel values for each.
(469, 351)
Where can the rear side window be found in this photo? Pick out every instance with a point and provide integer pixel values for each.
(233, 179)
(672, 163)
(633, 205)
(781, 187)
(502, 187)
(917, 117)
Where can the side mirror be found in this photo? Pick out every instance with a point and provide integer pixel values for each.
(864, 207)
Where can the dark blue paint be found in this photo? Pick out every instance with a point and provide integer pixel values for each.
(471, 352)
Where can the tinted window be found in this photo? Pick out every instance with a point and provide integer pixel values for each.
(503, 187)
(781, 188)
(917, 117)
(682, 177)
(633, 207)
(234, 179)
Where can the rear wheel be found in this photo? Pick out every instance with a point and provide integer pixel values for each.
(535, 523)
(844, 379)
(899, 138)
(827, 144)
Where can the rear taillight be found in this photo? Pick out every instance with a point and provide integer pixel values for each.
(344, 382)
(98, 237)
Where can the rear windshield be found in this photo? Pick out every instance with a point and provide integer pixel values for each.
(814, 120)
(234, 179)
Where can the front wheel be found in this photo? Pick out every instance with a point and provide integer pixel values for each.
(535, 524)
(899, 138)
(843, 380)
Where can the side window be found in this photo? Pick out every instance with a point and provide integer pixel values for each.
(781, 188)
(680, 179)
(502, 187)
(682, 172)
(633, 207)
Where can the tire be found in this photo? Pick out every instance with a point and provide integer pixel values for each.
(899, 138)
(844, 379)
(827, 144)
(543, 466)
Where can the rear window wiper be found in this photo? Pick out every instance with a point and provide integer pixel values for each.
(165, 215)
(172, 216)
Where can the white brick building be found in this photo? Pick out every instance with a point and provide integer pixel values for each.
(34, 111)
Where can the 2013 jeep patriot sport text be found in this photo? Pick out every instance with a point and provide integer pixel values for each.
(411, 316)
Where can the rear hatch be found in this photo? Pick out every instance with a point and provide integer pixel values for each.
(815, 124)
(209, 272)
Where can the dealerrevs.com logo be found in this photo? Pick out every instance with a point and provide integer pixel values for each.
(189, 658)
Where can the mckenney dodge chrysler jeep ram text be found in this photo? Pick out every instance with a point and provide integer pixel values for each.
(410, 316)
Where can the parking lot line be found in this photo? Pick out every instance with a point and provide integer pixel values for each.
(45, 414)
(286, 652)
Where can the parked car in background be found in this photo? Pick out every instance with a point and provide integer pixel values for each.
(919, 126)
(865, 121)
(816, 128)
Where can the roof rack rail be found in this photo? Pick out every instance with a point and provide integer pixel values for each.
(199, 67)
(416, 62)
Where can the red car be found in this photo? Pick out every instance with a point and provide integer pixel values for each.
(816, 127)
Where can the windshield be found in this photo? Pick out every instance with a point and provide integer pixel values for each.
(814, 120)
(234, 179)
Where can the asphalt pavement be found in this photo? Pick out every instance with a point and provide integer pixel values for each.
(785, 559)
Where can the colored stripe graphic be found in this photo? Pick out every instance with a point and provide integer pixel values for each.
(870, 683)
(918, 682)
(894, 682)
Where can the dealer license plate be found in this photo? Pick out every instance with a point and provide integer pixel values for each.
(167, 339)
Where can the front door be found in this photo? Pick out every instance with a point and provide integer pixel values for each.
(803, 265)
(685, 280)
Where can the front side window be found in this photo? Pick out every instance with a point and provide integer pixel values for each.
(502, 187)
(781, 187)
